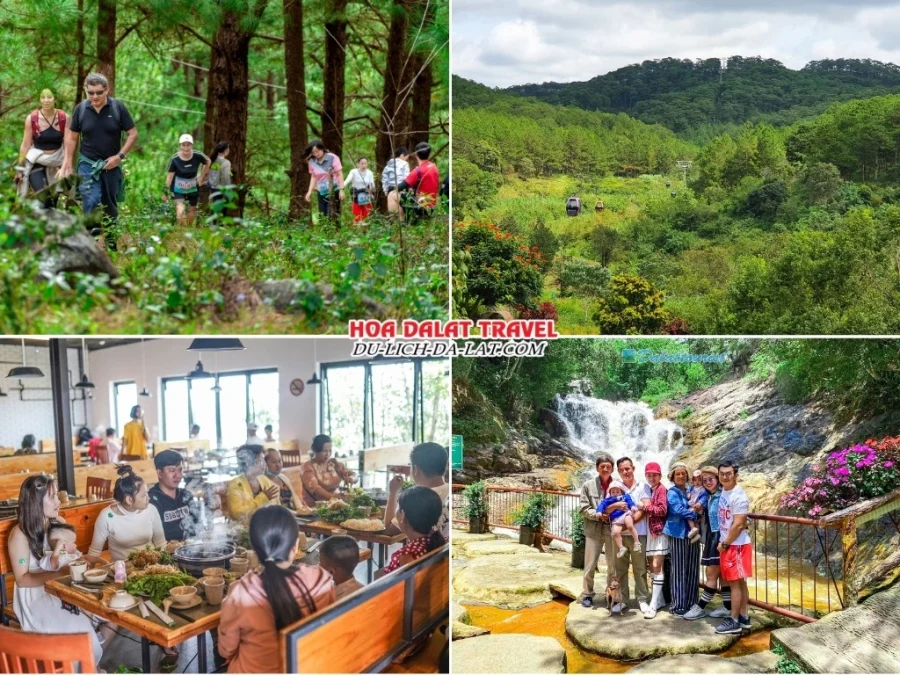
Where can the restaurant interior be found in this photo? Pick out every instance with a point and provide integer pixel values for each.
(71, 408)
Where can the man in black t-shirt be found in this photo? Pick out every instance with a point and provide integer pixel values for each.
(99, 122)
(175, 505)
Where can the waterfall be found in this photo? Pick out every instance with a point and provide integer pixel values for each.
(624, 428)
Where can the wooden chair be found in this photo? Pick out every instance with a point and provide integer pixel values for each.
(382, 621)
(23, 652)
(102, 455)
(291, 457)
(99, 487)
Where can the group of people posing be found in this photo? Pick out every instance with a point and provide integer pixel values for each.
(48, 155)
(700, 521)
(277, 594)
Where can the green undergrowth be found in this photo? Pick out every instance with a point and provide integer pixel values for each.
(178, 279)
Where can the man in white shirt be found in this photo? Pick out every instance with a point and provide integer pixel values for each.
(252, 438)
(735, 548)
(639, 492)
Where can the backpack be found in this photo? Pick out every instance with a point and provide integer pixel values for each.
(36, 129)
(114, 105)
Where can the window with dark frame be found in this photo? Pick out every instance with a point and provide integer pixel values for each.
(385, 402)
(246, 395)
(124, 398)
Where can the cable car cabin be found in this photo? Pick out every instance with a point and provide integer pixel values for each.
(674, 194)
(668, 183)
(599, 206)
(573, 206)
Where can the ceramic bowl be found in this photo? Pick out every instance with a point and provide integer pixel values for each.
(96, 576)
(121, 600)
(182, 595)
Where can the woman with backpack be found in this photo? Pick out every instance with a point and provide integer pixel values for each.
(219, 172)
(184, 176)
(362, 182)
(327, 178)
(41, 153)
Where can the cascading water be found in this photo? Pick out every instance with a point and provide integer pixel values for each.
(624, 428)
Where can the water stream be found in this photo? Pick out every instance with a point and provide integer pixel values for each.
(621, 428)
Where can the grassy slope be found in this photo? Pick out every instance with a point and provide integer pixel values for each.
(544, 198)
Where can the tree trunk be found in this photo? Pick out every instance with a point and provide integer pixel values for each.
(79, 56)
(230, 86)
(420, 119)
(270, 92)
(106, 41)
(335, 62)
(394, 107)
(295, 74)
(209, 119)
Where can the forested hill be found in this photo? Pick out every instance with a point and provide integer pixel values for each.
(687, 95)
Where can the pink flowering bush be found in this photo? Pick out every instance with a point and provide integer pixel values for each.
(850, 475)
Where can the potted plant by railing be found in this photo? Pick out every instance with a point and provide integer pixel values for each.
(476, 507)
(530, 518)
(577, 539)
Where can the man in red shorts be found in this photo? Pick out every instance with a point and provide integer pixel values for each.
(735, 548)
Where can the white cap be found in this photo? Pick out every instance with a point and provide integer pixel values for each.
(186, 138)
(252, 426)
(617, 484)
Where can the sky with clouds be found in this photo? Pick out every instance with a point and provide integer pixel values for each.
(506, 42)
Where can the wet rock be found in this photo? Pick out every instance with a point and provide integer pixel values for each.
(630, 637)
(705, 663)
(553, 423)
(512, 581)
(499, 547)
(461, 631)
(458, 613)
(508, 653)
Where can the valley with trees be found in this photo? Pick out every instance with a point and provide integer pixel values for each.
(364, 76)
(738, 198)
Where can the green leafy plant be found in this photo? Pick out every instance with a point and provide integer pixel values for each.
(476, 505)
(577, 529)
(785, 664)
(533, 512)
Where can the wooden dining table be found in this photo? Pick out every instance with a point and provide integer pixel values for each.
(193, 622)
(371, 539)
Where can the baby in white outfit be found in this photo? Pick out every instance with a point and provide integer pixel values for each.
(63, 550)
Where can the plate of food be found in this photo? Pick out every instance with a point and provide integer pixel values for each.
(304, 511)
(363, 525)
(155, 583)
(150, 555)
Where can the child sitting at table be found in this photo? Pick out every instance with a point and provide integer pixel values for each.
(61, 537)
(419, 512)
(339, 555)
(429, 463)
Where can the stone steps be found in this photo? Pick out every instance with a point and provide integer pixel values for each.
(861, 639)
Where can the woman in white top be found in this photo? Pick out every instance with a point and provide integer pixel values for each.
(131, 523)
(363, 189)
(37, 610)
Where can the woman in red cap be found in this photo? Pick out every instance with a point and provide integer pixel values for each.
(657, 542)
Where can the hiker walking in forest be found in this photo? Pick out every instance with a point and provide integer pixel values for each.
(327, 177)
(362, 182)
(98, 122)
(219, 172)
(41, 153)
(425, 183)
(186, 173)
(395, 172)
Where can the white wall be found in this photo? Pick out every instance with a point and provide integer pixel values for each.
(34, 415)
(168, 357)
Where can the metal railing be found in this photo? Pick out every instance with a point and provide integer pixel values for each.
(503, 503)
(802, 568)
